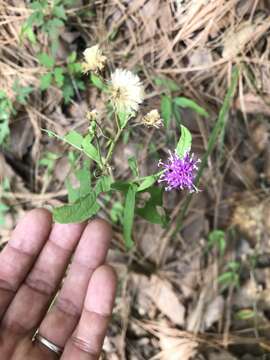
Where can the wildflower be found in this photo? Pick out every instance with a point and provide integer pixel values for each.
(94, 59)
(126, 91)
(152, 119)
(180, 173)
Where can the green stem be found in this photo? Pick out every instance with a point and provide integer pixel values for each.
(113, 143)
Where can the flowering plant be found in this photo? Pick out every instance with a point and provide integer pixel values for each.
(124, 92)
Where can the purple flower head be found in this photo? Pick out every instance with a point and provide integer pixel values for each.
(180, 173)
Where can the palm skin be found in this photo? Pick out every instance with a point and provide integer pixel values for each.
(32, 267)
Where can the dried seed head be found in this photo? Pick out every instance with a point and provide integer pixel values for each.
(152, 119)
(94, 59)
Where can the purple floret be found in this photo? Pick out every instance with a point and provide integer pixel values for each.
(180, 173)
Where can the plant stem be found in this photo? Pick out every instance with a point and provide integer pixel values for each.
(113, 143)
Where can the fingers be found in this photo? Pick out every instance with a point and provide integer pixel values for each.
(91, 252)
(33, 297)
(86, 342)
(21, 252)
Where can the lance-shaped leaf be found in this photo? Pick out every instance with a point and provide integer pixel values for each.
(83, 209)
(184, 143)
(90, 150)
(147, 182)
(188, 103)
(129, 210)
(166, 109)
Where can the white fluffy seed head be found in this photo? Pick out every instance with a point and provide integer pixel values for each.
(126, 91)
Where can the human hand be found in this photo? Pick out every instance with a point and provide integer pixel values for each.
(32, 266)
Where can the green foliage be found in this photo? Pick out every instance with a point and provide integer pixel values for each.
(117, 213)
(166, 83)
(46, 17)
(49, 18)
(80, 143)
(147, 182)
(84, 178)
(81, 210)
(48, 161)
(216, 239)
(166, 109)
(4, 186)
(67, 78)
(129, 210)
(184, 143)
(188, 103)
(133, 165)
(97, 82)
(150, 211)
(91, 151)
(46, 60)
(6, 110)
(245, 314)
(3, 210)
(231, 276)
(21, 92)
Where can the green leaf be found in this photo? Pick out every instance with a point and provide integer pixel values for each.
(177, 114)
(28, 31)
(45, 81)
(3, 95)
(73, 193)
(123, 119)
(46, 60)
(133, 165)
(22, 92)
(60, 12)
(217, 238)
(84, 177)
(67, 92)
(3, 210)
(129, 210)
(4, 131)
(245, 314)
(228, 278)
(97, 82)
(83, 209)
(167, 83)
(150, 211)
(188, 103)
(166, 109)
(90, 150)
(72, 57)
(103, 185)
(59, 77)
(147, 182)
(184, 143)
(74, 139)
(117, 212)
(120, 186)
(233, 265)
